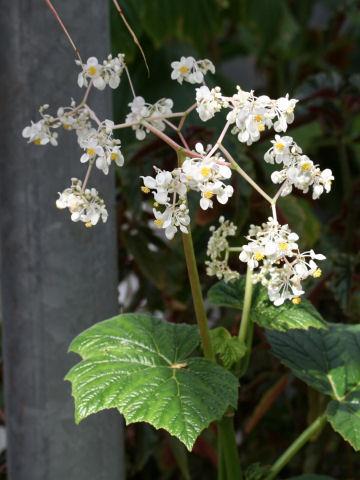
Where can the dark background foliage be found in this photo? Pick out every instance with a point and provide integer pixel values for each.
(309, 49)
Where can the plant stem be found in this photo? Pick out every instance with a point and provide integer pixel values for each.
(246, 326)
(295, 446)
(196, 287)
(228, 451)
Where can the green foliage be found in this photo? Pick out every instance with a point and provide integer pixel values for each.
(141, 365)
(311, 476)
(263, 312)
(255, 471)
(229, 348)
(328, 361)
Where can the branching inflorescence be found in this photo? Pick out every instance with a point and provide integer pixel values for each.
(272, 250)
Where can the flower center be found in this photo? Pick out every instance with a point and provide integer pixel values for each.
(145, 189)
(258, 118)
(37, 141)
(88, 224)
(261, 127)
(183, 69)
(208, 194)
(205, 171)
(283, 246)
(90, 151)
(158, 222)
(92, 70)
(113, 156)
(306, 166)
(317, 273)
(296, 300)
(279, 146)
(259, 256)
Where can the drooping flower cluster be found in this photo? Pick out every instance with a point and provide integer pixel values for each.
(85, 205)
(170, 193)
(206, 175)
(190, 70)
(101, 148)
(299, 171)
(40, 132)
(250, 114)
(107, 73)
(273, 249)
(140, 110)
(218, 251)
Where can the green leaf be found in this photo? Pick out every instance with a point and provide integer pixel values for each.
(229, 348)
(263, 312)
(140, 364)
(329, 361)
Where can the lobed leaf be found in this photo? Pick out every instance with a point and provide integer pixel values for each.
(140, 364)
(329, 361)
(286, 317)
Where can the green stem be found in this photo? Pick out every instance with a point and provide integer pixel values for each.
(196, 288)
(296, 446)
(221, 460)
(228, 451)
(246, 325)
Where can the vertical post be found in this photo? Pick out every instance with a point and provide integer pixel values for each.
(57, 276)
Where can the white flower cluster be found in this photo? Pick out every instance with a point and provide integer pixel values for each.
(140, 110)
(299, 171)
(190, 70)
(170, 192)
(218, 251)
(107, 73)
(206, 175)
(100, 147)
(209, 102)
(272, 248)
(85, 205)
(39, 133)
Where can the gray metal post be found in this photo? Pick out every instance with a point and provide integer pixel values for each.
(58, 277)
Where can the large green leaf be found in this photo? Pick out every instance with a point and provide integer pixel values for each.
(140, 364)
(311, 476)
(263, 312)
(329, 361)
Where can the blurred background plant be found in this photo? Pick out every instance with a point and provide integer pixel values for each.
(309, 49)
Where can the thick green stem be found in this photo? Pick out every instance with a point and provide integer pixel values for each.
(228, 451)
(296, 446)
(196, 287)
(245, 319)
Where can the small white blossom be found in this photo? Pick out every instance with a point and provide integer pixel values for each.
(273, 249)
(209, 102)
(218, 251)
(107, 73)
(190, 70)
(299, 171)
(140, 111)
(85, 205)
(40, 132)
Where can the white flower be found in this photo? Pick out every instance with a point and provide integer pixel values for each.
(140, 111)
(217, 250)
(273, 249)
(85, 205)
(189, 70)
(299, 171)
(209, 102)
(107, 73)
(40, 132)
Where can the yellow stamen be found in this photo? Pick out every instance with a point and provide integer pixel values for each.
(156, 204)
(208, 194)
(188, 177)
(113, 156)
(67, 126)
(183, 69)
(60, 208)
(88, 224)
(205, 171)
(92, 70)
(158, 222)
(259, 256)
(289, 110)
(283, 246)
(329, 182)
(90, 151)
(145, 189)
(261, 127)
(317, 273)
(279, 146)
(73, 208)
(258, 118)
(188, 189)
(306, 166)
(296, 300)
(37, 141)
